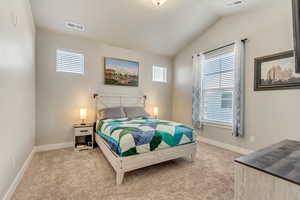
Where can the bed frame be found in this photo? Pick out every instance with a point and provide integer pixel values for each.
(130, 163)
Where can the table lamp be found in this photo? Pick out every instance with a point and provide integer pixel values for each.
(83, 112)
(155, 112)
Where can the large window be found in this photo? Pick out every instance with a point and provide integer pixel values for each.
(159, 74)
(218, 87)
(69, 62)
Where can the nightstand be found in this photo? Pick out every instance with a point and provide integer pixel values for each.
(83, 137)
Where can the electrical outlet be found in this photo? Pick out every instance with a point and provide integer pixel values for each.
(252, 138)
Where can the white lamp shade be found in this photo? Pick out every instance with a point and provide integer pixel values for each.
(83, 112)
(158, 2)
(155, 111)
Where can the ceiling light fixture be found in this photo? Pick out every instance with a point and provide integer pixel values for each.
(158, 2)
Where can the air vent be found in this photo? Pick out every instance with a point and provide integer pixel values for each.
(74, 26)
(231, 3)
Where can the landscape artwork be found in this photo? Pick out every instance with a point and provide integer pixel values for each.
(296, 25)
(276, 72)
(121, 72)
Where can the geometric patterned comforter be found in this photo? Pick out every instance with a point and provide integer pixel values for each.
(128, 137)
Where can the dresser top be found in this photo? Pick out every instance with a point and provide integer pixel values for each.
(281, 160)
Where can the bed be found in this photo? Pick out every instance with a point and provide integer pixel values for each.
(133, 142)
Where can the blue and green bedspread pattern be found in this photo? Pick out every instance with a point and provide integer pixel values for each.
(128, 136)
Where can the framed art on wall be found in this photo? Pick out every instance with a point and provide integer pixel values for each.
(276, 72)
(296, 23)
(121, 72)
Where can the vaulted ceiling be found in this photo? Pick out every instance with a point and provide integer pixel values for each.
(136, 24)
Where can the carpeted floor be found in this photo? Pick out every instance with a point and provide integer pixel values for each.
(65, 174)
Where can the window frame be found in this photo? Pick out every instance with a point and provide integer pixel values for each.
(165, 74)
(82, 72)
(216, 123)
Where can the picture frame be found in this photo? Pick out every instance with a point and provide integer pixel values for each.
(296, 28)
(121, 72)
(276, 72)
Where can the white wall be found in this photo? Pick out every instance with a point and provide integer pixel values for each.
(17, 88)
(60, 95)
(270, 115)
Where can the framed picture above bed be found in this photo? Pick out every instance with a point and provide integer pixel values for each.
(121, 72)
(276, 72)
(296, 23)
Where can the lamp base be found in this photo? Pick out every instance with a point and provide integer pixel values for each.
(82, 122)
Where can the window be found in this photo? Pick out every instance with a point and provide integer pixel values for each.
(159, 74)
(226, 100)
(69, 62)
(217, 91)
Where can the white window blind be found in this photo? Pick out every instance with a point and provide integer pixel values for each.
(218, 87)
(69, 62)
(159, 74)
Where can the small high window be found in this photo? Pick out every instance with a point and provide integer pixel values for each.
(159, 74)
(69, 62)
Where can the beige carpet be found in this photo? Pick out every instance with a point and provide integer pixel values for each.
(65, 174)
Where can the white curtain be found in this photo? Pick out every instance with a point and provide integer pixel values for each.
(239, 91)
(197, 91)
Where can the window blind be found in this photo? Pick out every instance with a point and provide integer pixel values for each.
(69, 62)
(217, 90)
(159, 74)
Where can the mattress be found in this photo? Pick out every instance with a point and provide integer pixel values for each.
(132, 136)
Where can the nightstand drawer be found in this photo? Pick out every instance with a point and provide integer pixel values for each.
(83, 131)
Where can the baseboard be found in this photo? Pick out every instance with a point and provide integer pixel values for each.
(230, 147)
(49, 147)
(19, 177)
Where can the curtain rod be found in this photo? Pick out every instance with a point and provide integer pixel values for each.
(227, 45)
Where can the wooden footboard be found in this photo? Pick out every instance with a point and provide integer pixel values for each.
(126, 164)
